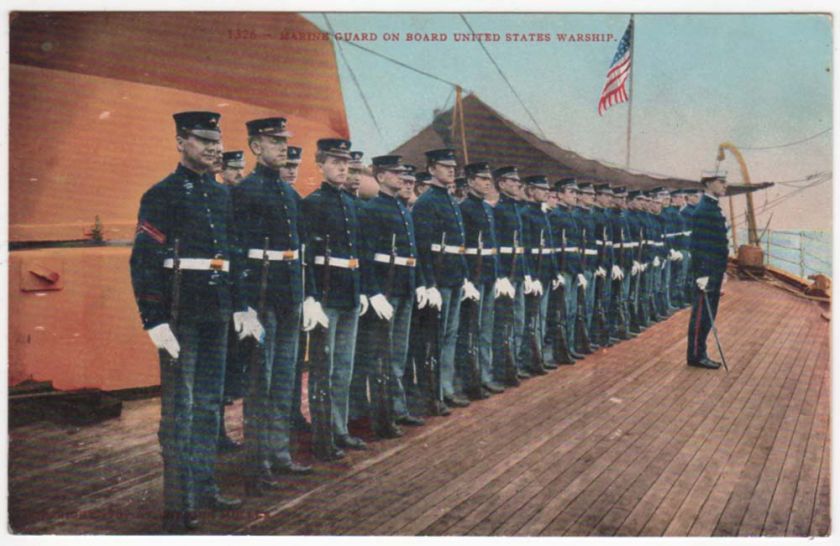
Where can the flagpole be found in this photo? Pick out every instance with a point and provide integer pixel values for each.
(630, 96)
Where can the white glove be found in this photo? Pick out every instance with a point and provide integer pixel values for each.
(600, 272)
(504, 288)
(702, 282)
(617, 273)
(470, 291)
(558, 282)
(672, 255)
(246, 323)
(422, 297)
(637, 267)
(529, 285)
(538, 288)
(363, 303)
(545, 207)
(382, 307)
(679, 255)
(656, 261)
(644, 267)
(435, 299)
(164, 339)
(313, 314)
(582, 281)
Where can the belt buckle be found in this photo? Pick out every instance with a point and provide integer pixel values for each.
(462, 250)
(217, 263)
(410, 262)
(352, 263)
(288, 254)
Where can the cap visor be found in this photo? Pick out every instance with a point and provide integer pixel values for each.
(207, 134)
(447, 162)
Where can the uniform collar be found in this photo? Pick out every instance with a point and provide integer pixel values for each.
(389, 197)
(266, 172)
(188, 173)
(326, 186)
(710, 196)
(478, 200)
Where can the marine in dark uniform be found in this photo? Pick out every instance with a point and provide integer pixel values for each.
(692, 199)
(637, 238)
(289, 170)
(459, 191)
(189, 207)
(233, 167)
(709, 251)
(330, 213)
(586, 220)
(605, 260)
(355, 169)
(409, 178)
(436, 214)
(265, 206)
(537, 240)
(385, 221)
(509, 321)
(479, 220)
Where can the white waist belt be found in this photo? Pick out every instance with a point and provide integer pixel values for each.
(509, 250)
(398, 260)
(448, 249)
(600, 243)
(199, 264)
(687, 233)
(273, 255)
(567, 249)
(484, 251)
(344, 263)
(591, 252)
(669, 235)
(544, 251)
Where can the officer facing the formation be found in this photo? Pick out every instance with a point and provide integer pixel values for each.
(289, 170)
(539, 248)
(331, 226)
(182, 236)
(709, 253)
(480, 233)
(265, 208)
(440, 242)
(390, 289)
(233, 167)
(509, 323)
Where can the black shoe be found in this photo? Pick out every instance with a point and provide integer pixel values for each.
(480, 394)
(410, 420)
(219, 502)
(259, 487)
(439, 408)
(228, 444)
(351, 442)
(389, 431)
(565, 362)
(493, 387)
(537, 371)
(550, 366)
(456, 401)
(704, 363)
(176, 521)
(334, 454)
(522, 374)
(300, 424)
(577, 356)
(290, 468)
(512, 382)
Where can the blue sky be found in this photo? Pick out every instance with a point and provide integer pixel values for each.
(755, 80)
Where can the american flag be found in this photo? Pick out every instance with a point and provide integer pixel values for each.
(614, 91)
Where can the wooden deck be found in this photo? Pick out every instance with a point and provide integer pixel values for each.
(627, 442)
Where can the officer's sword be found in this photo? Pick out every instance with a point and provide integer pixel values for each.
(714, 329)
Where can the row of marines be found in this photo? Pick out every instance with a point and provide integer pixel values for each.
(410, 292)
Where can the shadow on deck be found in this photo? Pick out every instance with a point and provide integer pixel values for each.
(629, 441)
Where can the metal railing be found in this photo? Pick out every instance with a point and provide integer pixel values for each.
(799, 252)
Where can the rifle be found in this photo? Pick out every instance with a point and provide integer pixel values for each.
(431, 364)
(534, 337)
(175, 300)
(473, 387)
(617, 303)
(582, 343)
(258, 387)
(562, 354)
(601, 334)
(509, 364)
(319, 369)
(383, 406)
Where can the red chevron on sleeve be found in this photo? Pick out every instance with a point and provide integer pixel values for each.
(145, 227)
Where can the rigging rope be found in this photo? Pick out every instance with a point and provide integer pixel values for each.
(794, 143)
